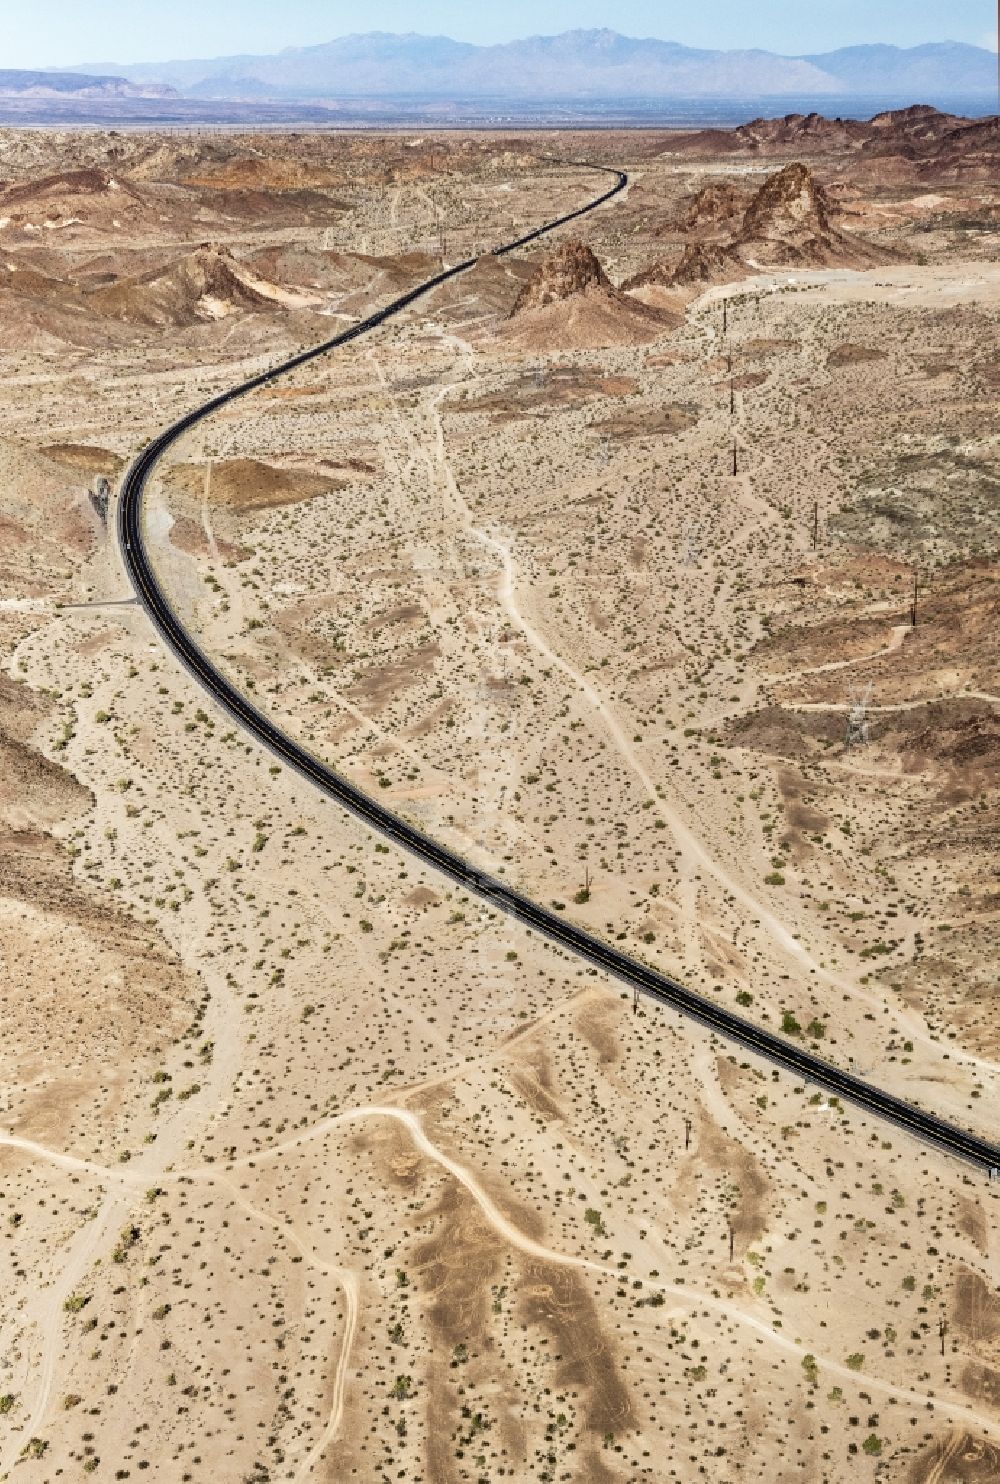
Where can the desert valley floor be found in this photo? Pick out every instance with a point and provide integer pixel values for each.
(313, 1167)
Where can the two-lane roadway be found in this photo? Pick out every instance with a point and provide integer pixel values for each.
(551, 925)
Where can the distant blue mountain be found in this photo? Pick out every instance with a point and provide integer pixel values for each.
(20, 81)
(938, 67)
(578, 65)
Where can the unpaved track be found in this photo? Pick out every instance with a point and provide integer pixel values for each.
(504, 1227)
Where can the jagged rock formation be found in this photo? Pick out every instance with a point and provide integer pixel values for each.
(919, 142)
(716, 208)
(788, 222)
(572, 269)
(701, 263)
(570, 303)
(789, 202)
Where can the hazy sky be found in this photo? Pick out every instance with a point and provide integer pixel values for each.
(62, 32)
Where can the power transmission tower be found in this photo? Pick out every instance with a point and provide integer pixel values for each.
(692, 543)
(857, 719)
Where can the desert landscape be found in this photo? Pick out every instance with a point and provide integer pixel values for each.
(653, 568)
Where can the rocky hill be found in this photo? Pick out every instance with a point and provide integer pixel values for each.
(718, 206)
(571, 270)
(788, 222)
(701, 263)
(919, 141)
(570, 303)
(206, 284)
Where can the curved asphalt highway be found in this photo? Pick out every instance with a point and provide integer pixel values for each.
(498, 894)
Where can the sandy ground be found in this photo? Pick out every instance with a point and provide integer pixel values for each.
(314, 1168)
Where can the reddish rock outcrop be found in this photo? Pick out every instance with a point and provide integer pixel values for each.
(701, 263)
(788, 222)
(570, 303)
(572, 269)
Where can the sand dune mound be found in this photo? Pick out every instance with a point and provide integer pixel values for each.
(84, 458)
(495, 284)
(569, 303)
(248, 484)
(204, 285)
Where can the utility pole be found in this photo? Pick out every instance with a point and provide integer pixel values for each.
(815, 524)
(735, 468)
(732, 1237)
(687, 1132)
(857, 720)
(725, 316)
(913, 606)
(635, 998)
(942, 1330)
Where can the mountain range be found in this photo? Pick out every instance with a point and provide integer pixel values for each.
(578, 65)
(21, 83)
